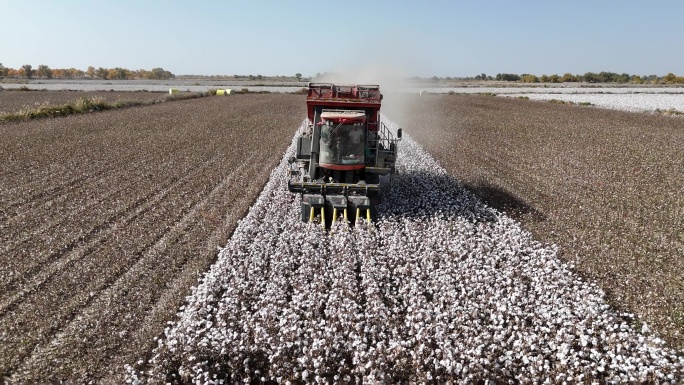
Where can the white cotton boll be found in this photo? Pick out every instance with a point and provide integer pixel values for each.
(439, 282)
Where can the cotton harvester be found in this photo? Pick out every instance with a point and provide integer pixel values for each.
(342, 154)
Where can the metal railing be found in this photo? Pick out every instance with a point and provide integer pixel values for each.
(382, 143)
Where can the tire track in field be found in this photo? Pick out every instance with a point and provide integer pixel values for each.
(78, 209)
(58, 276)
(134, 279)
(75, 184)
(82, 246)
(89, 338)
(90, 172)
(100, 303)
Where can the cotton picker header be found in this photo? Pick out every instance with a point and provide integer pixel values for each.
(343, 154)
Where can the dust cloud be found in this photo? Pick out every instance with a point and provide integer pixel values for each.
(390, 59)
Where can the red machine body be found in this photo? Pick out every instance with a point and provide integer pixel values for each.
(343, 153)
(354, 97)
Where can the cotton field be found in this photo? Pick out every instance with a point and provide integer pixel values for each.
(633, 99)
(441, 288)
(635, 102)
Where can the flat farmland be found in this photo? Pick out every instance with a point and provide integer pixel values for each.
(107, 219)
(13, 101)
(606, 186)
(110, 224)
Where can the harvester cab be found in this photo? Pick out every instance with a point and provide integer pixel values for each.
(343, 155)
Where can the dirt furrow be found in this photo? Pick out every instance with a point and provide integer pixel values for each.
(121, 330)
(69, 275)
(34, 277)
(106, 304)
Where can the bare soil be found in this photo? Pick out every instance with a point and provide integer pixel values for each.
(107, 219)
(607, 186)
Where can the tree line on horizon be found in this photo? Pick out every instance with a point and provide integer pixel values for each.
(43, 71)
(589, 77)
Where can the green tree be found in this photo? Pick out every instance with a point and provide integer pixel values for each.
(530, 78)
(544, 78)
(567, 77)
(669, 78)
(120, 73)
(554, 78)
(508, 77)
(161, 74)
(44, 71)
(259, 77)
(590, 77)
(623, 78)
(28, 70)
(3, 70)
(101, 73)
(298, 76)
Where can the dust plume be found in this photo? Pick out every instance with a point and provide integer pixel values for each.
(390, 59)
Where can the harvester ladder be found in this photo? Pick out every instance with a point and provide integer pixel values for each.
(383, 145)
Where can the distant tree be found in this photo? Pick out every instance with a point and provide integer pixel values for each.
(567, 77)
(544, 78)
(101, 73)
(117, 73)
(669, 78)
(44, 71)
(251, 77)
(28, 70)
(530, 78)
(259, 77)
(508, 77)
(623, 78)
(60, 73)
(91, 71)
(435, 78)
(298, 76)
(589, 77)
(478, 77)
(636, 79)
(3, 70)
(554, 78)
(608, 77)
(160, 74)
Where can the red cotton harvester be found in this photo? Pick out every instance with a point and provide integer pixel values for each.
(342, 154)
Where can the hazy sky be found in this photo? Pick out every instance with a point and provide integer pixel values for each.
(426, 38)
